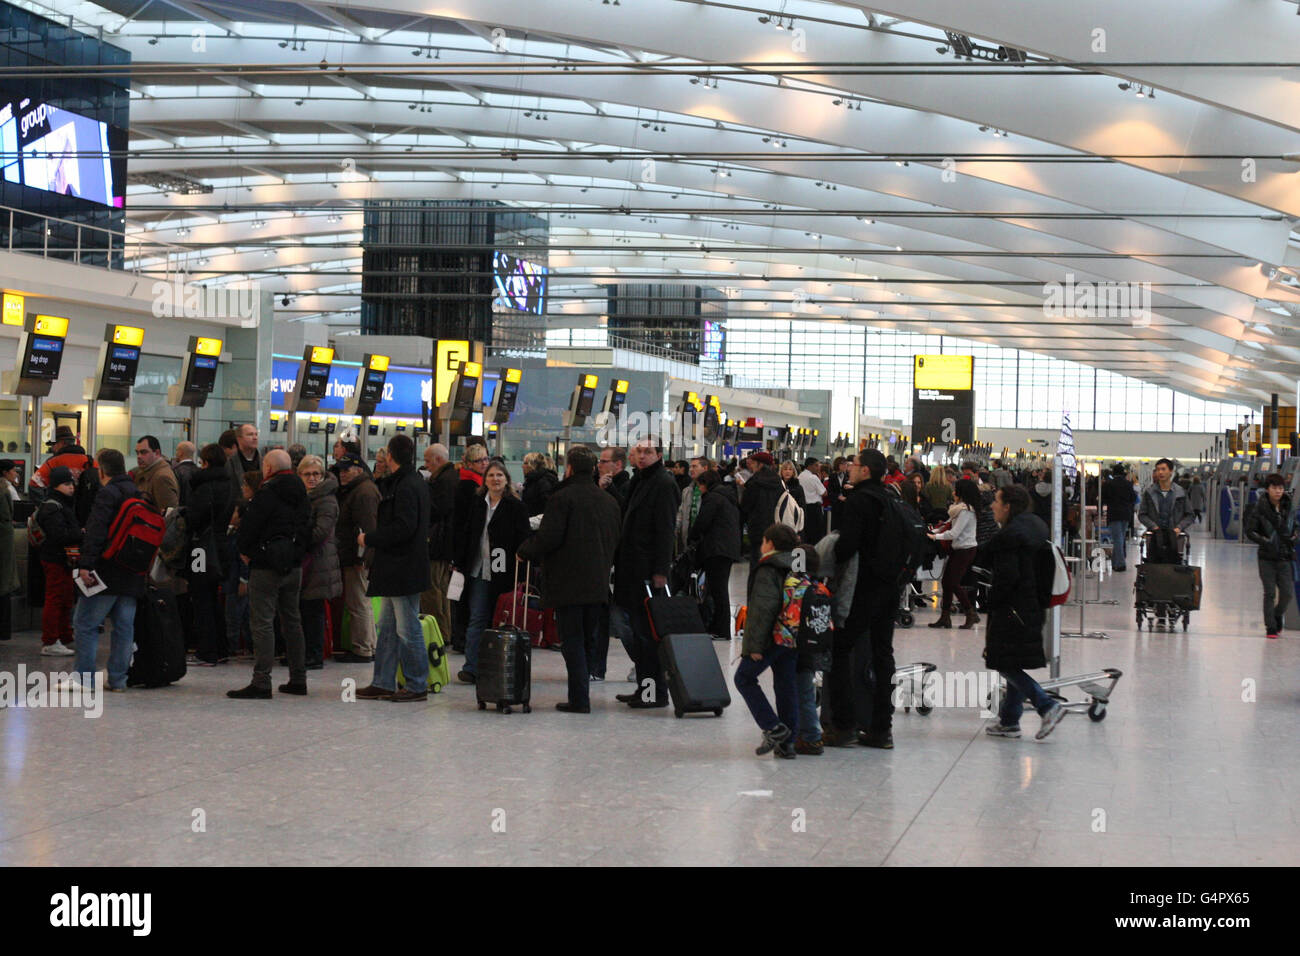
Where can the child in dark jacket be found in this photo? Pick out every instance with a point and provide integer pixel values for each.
(57, 519)
(768, 643)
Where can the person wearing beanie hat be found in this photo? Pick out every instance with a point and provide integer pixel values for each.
(57, 520)
(865, 645)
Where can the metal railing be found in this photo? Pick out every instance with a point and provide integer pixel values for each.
(85, 244)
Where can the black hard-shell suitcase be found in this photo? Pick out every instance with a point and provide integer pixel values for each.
(695, 679)
(673, 613)
(159, 641)
(505, 663)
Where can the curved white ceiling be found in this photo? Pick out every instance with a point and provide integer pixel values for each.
(776, 173)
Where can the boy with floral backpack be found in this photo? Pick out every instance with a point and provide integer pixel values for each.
(769, 641)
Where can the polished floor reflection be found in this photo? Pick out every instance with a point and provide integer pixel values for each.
(1197, 762)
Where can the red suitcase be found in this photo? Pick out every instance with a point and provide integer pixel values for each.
(524, 606)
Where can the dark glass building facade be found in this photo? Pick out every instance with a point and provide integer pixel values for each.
(668, 316)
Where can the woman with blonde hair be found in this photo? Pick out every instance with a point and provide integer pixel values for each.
(938, 493)
(540, 481)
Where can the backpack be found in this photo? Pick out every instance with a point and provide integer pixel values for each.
(35, 533)
(804, 621)
(1052, 576)
(789, 512)
(900, 542)
(174, 551)
(135, 535)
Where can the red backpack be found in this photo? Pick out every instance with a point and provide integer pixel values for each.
(134, 535)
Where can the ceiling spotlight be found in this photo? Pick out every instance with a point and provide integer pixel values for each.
(1125, 86)
(837, 101)
(417, 51)
(764, 19)
(283, 44)
(285, 300)
(297, 102)
(411, 106)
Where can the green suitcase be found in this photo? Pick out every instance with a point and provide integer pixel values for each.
(439, 666)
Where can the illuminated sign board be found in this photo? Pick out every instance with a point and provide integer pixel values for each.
(943, 372)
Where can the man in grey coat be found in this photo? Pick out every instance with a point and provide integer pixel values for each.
(575, 545)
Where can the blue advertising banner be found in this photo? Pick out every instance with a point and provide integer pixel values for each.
(404, 390)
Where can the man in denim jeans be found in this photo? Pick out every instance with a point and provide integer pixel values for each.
(398, 575)
(124, 587)
(1117, 498)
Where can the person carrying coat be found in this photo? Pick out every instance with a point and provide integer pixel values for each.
(1271, 525)
(399, 572)
(645, 556)
(274, 534)
(209, 512)
(1013, 640)
(497, 525)
(575, 545)
(321, 577)
(715, 536)
(758, 498)
(57, 519)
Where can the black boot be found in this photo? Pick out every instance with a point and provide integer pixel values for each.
(251, 692)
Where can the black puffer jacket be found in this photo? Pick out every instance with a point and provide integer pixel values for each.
(575, 544)
(276, 524)
(401, 536)
(58, 519)
(1014, 638)
(539, 485)
(108, 501)
(1270, 528)
(716, 532)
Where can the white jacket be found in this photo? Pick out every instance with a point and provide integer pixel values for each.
(962, 533)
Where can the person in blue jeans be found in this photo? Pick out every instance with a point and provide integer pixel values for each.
(768, 642)
(497, 524)
(1013, 641)
(1117, 499)
(118, 601)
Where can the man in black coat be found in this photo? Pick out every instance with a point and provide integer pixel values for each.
(758, 497)
(862, 652)
(645, 555)
(1014, 639)
(1117, 499)
(443, 483)
(613, 476)
(715, 535)
(575, 545)
(124, 587)
(274, 535)
(398, 573)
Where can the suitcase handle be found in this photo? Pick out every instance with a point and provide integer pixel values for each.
(514, 603)
(649, 591)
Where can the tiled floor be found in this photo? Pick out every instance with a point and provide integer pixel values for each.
(1183, 771)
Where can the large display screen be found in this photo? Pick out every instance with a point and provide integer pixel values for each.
(121, 366)
(46, 147)
(372, 386)
(315, 380)
(944, 372)
(203, 374)
(520, 284)
(714, 347)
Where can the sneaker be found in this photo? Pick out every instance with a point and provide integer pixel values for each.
(809, 748)
(772, 739)
(466, 677)
(68, 685)
(785, 751)
(375, 693)
(57, 649)
(1001, 730)
(1271, 635)
(1050, 720)
(597, 680)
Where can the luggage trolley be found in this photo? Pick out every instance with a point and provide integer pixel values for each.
(1166, 593)
(910, 596)
(909, 687)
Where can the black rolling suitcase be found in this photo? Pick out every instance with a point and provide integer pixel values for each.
(159, 641)
(672, 613)
(505, 663)
(695, 679)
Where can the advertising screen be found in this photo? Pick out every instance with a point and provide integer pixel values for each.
(520, 284)
(714, 347)
(46, 147)
(44, 357)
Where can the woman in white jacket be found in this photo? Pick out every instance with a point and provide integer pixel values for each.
(962, 535)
